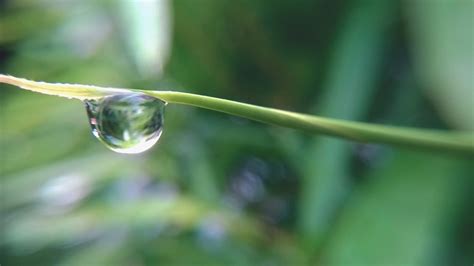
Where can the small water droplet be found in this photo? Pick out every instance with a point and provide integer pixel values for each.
(126, 123)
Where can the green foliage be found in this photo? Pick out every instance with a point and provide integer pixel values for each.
(219, 189)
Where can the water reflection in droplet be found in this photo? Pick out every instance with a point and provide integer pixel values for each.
(126, 123)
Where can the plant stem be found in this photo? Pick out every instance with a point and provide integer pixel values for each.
(361, 132)
(460, 142)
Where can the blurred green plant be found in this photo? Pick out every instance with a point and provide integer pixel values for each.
(220, 190)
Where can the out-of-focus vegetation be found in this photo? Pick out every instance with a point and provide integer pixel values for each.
(222, 190)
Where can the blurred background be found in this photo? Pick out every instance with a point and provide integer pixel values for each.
(220, 190)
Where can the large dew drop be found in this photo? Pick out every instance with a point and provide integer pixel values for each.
(126, 123)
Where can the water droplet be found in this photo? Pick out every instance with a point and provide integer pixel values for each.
(126, 123)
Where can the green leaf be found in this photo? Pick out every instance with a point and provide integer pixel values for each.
(399, 216)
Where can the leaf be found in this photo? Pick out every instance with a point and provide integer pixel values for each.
(443, 41)
(398, 217)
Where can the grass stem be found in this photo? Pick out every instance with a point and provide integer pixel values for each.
(436, 140)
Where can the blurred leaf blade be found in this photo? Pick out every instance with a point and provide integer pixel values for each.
(147, 33)
(443, 42)
(348, 93)
(396, 215)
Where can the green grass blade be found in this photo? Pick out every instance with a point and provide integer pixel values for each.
(327, 173)
(461, 142)
(71, 91)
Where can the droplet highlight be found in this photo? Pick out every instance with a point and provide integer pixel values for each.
(126, 123)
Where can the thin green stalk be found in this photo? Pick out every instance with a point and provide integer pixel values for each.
(461, 142)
